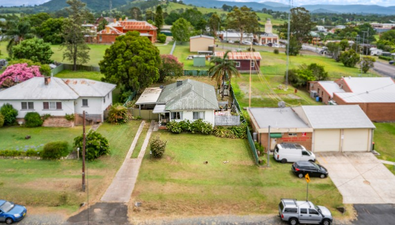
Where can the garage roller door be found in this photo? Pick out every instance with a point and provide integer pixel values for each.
(356, 140)
(326, 140)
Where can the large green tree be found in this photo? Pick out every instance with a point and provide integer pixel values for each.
(367, 63)
(17, 32)
(223, 70)
(136, 13)
(77, 51)
(181, 30)
(51, 30)
(132, 62)
(159, 18)
(214, 23)
(34, 49)
(349, 58)
(170, 67)
(387, 40)
(243, 20)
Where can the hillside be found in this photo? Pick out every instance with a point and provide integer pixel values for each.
(94, 5)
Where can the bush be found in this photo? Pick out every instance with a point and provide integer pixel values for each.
(174, 127)
(231, 132)
(388, 58)
(199, 126)
(96, 145)
(118, 114)
(33, 119)
(32, 153)
(1, 120)
(349, 58)
(9, 114)
(158, 147)
(15, 153)
(69, 117)
(186, 125)
(161, 38)
(276, 51)
(55, 150)
(249, 49)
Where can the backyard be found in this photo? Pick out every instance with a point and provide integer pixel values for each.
(181, 184)
(55, 185)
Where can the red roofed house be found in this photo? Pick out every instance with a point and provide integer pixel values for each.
(121, 27)
(244, 60)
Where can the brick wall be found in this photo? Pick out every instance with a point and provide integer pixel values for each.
(55, 121)
(304, 139)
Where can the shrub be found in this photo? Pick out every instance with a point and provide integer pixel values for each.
(250, 49)
(231, 132)
(199, 126)
(46, 116)
(1, 120)
(349, 58)
(367, 63)
(55, 150)
(33, 119)
(186, 125)
(388, 58)
(96, 145)
(276, 51)
(14, 153)
(174, 127)
(118, 114)
(18, 73)
(69, 117)
(32, 153)
(9, 114)
(158, 147)
(161, 38)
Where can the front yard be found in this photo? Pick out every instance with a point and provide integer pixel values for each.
(384, 141)
(56, 185)
(181, 184)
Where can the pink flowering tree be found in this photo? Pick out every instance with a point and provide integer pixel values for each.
(170, 67)
(18, 73)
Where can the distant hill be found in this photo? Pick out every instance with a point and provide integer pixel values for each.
(94, 5)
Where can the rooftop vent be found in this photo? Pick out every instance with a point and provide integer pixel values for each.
(179, 83)
(47, 80)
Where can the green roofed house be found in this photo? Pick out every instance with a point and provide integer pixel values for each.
(187, 100)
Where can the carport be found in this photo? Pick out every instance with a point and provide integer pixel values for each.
(338, 128)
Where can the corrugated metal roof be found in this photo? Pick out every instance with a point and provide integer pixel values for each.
(336, 117)
(136, 25)
(35, 88)
(149, 96)
(240, 55)
(277, 118)
(235, 34)
(269, 35)
(331, 87)
(363, 84)
(201, 36)
(370, 97)
(89, 88)
(60, 89)
(190, 95)
(159, 109)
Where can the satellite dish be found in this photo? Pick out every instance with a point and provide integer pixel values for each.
(281, 104)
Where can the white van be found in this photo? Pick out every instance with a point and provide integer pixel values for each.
(292, 152)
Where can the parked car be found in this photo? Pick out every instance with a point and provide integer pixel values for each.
(246, 43)
(231, 42)
(256, 43)
(391, 62)
(304, 212)
(10, 212)
(292, 152)
(302, 168)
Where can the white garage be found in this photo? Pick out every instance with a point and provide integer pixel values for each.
(340, 128)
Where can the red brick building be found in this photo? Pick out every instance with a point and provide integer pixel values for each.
(244, 60)
(120, 27)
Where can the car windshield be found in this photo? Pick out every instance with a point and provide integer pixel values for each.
(318, 209)
(7, 206)
(315, 165)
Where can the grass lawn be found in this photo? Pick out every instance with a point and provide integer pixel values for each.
(96, 54)
(181, 184)
(182, 52)
(55, 185)
(140, 142)
(165, 49)
(3, 49)
(384, 140)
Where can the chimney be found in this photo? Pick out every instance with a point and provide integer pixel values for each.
(47, 80)
(179, 83)
(120, 19)
(115, 20)
(126, 19)
(107, 30)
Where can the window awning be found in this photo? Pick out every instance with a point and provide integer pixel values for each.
(159, 109)
(276, 135)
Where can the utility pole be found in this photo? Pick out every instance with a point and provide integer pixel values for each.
(268, 147)
(83, 152)
(288, 34)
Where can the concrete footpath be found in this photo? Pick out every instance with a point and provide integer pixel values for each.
(123, 183)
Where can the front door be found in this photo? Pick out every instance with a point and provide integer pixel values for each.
(314, 217)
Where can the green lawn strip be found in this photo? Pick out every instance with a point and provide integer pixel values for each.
(140, 141)
(384, 141)
(56, 184)
(182, 52)
(165, 49)
(390, 168)
(96, 54)
(182, 181)
(93, 75)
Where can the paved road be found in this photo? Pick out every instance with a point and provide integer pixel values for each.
(375, 214)
(384, 69)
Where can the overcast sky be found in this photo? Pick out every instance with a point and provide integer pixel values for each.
(295, 2)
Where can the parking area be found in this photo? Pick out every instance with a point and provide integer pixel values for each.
(359, 177)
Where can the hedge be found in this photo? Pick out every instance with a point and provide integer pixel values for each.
(55, 150)
(33, 119)
(16, 153)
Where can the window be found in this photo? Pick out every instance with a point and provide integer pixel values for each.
(52, 105)
(104, 100)
(290, 210)
(85, 102)
(176, 115)
(252, 64)
(100, 39)
(27, 105)
(313, 211)
(303, 211)
(198, 115)
(305, 153)
(237, 64)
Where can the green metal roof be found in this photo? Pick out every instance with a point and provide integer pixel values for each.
(188, 95)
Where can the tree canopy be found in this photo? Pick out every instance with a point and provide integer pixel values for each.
(132, 62)
(159, 18)
(244, 20)
(170, 67)
(34, 49)
(51, 30)
(181, 30)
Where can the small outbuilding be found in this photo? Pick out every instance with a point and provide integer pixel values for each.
(201, 43)
(245, 61)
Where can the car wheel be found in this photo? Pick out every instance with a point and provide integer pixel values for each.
(284, 160)
(293, 221)
(8, 221)
(300, 175)
(322, 176)
(326, 222)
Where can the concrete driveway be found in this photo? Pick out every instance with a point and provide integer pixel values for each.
(360, 177)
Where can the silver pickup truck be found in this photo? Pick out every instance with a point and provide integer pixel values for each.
(304, 212)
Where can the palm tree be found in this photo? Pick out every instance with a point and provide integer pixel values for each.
(223, 70)
(18, 33)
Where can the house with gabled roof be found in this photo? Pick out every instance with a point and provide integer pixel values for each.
(187, 100)
(245, 61)
(57, 97)
(121, 27)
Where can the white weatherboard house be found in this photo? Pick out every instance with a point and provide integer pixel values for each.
(58, 97)
(187, 100)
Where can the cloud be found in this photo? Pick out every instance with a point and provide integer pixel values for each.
(21, 2)
(331, 2)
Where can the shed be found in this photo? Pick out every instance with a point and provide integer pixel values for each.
(201, 43)
(199, 60)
